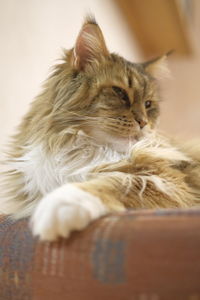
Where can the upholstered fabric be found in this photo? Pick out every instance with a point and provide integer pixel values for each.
(142, 255)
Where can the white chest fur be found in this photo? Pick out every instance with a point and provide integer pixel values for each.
(44, 172)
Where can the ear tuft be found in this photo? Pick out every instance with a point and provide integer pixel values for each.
(90, 19)
(158, 67)
(90, 44)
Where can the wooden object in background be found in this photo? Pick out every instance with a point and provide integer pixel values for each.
(158, 25)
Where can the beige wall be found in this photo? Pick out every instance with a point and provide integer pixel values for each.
(181, 105)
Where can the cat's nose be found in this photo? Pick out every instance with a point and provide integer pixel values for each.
(141, 122)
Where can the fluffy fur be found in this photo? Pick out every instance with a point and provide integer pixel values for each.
(88, 144)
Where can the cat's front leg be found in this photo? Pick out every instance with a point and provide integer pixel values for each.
(64, 210)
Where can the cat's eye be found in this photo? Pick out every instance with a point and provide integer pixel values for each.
(148, 104)
(122, 94)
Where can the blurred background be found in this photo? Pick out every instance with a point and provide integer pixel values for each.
(33, 33)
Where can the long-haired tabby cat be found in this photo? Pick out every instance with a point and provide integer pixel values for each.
(88, 144)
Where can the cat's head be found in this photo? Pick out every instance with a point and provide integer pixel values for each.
(109, 98)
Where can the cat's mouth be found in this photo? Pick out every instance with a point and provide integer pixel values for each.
(117, 133)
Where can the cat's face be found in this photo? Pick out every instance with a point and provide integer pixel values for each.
(112, 100)
(124, 102)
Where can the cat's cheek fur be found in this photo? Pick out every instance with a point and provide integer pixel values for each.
(64, 210)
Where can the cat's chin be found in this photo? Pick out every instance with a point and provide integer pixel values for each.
(118, 143)
(122, 144)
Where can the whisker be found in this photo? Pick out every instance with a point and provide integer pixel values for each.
(117, 125)
(82, 117)
(111, 127)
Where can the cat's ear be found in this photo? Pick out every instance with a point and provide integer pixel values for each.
(158, 67)
(90, 44)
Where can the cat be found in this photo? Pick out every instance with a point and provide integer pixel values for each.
(89, 146)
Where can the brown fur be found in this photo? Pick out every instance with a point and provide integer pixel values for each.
(111, 181)
(79, 95)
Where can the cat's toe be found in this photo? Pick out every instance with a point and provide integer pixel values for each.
(66, 209)
(60, 222)
(72, 217)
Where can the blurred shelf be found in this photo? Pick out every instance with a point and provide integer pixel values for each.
(158, 25)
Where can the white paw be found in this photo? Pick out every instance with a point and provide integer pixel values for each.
(65, 209)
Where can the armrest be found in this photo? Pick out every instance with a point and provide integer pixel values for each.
(146, 254)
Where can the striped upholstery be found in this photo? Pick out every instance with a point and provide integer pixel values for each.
(141, 255)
